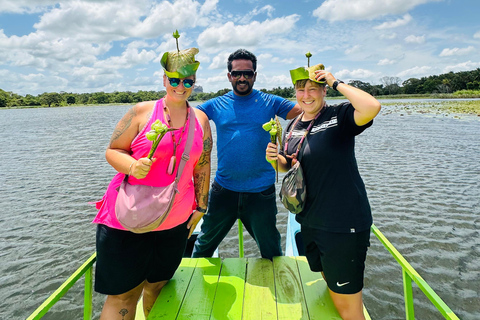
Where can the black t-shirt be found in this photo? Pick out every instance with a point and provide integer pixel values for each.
(336, 196)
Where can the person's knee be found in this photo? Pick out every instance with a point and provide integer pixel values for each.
(153, 289)
(349, 306)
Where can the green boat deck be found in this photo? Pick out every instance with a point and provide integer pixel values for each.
(244, 288)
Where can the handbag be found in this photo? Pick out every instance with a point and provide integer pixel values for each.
(293, 192)
(141, 208)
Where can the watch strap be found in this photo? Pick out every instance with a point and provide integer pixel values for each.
(336, 83)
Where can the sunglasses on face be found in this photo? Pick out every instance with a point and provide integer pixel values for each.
(248, 74)
(187, 83)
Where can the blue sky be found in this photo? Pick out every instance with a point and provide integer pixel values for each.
(115, 45)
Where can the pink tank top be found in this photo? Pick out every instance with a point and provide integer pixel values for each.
(185, 202)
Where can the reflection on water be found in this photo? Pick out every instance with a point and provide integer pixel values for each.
(421, 173)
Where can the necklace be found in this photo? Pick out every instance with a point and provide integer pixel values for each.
(173, 159)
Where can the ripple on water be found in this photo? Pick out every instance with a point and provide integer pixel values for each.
(421, 173)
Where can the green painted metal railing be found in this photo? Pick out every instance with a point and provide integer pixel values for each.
(409, 275)
(85, 269)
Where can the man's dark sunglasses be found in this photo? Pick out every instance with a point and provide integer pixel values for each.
(237, 74)
(187, 83)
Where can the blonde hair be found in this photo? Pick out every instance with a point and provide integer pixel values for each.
(300, 84)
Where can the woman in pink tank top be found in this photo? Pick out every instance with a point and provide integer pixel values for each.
(129, 264)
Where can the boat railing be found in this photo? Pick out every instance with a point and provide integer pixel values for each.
(85, 269)
(409, 276)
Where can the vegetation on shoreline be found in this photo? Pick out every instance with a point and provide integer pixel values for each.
(451, 85)
(470, 107)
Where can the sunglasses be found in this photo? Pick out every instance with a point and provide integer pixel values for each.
(187, 83)
(246, 73)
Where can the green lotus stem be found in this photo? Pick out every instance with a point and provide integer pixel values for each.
(308, 55)
(176, 35)
(158, 130)
(271, 127)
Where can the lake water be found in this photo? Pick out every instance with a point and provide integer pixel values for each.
(422, 174)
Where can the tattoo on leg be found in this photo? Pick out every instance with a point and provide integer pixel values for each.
(123, 312)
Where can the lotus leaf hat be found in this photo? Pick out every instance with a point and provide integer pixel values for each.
(304, 73)
(180, 63)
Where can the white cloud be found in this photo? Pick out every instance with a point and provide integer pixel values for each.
(415, 39)
(355, 74)
(388, 36)
(268, 9)
(395, 24)
(464, 66)
(334, 10)
(353, 50)
(477, 35)
(415, 72)
(25, 6)
(130, 57)
(219, 61)
(386, 62)
(229, 34)
(447, 52)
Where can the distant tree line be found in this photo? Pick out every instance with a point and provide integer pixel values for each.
(437, 84)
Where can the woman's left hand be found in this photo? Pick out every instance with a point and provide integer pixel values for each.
(324, 75)
(196, 216)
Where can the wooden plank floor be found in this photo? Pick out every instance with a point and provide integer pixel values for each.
(244, 288)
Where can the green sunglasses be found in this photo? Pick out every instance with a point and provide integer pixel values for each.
(187, 83)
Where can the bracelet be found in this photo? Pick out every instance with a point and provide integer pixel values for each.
(202, 210)
(130, 168)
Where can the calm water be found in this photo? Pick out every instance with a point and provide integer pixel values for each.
(422, 173)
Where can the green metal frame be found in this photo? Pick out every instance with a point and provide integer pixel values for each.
(409, 276)
(86, 269)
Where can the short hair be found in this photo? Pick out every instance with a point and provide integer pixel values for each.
(301, 84)
(242, 54)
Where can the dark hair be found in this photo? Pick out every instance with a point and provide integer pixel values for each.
(242, 54)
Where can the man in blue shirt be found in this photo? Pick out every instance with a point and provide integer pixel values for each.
(244, 184)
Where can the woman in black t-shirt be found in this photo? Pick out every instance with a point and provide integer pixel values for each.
(336, 218)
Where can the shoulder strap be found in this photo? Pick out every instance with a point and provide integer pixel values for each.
(188, 144)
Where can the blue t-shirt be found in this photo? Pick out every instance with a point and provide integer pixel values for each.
(241, 140)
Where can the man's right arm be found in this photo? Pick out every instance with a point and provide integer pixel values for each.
(296, 110)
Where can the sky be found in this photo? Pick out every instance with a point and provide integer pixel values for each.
(85, 46)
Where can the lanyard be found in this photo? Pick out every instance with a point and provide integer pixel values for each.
(294, 156)
(173, 159)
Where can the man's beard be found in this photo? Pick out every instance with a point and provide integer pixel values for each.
(242, 93)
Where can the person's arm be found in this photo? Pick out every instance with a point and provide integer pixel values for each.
(366, 106)
(201, 173)
(118, 151)
(296, 110)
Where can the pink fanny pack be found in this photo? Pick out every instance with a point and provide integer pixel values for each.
(140, 208)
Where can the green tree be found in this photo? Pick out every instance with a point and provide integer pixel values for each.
(3, 98)
(124, 97)
(51, 98)
(70, 99)
(99, 98)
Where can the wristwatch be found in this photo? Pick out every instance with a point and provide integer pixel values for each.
(336, 83)
(202, 210)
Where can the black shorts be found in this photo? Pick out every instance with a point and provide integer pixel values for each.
(126, 259)
(341, 257)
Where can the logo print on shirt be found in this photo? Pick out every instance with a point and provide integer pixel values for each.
(324, 125)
